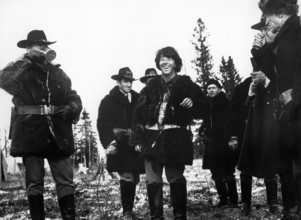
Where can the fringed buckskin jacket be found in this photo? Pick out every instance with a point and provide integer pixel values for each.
(173, 145)
(34, 85)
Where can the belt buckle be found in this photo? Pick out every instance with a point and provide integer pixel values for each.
(45, 110)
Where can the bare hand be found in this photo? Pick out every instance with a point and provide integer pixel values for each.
(111, 150)
(258, 41)
(258, 77)
(187, 103)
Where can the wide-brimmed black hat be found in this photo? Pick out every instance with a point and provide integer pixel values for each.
(149, 73)
(34, 37)
(124, 73)
(260, 25)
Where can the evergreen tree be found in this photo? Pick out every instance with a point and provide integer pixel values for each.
(85, 142)
(229, 75)
(203, 61)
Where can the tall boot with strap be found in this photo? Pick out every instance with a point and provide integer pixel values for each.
(67, 207)
(246, 193)
(178, 192)
(155, 198)
(271, 191)
(36, 207)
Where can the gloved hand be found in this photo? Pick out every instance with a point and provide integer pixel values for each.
(66, 113)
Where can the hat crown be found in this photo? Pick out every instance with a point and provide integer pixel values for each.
(36, 35)
(125, 72)
(150, 72)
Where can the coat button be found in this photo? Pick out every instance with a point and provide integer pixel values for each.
(268, 103)
(43, 100)
(48, 140)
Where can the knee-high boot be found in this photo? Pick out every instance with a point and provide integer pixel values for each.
(288, 195)
(67, 207)
(222, 192)
(232, 192)
(155, 198)
(271, 191)
(36, 207)
(178, 193)
(127, 192)
(246, 193)
(297, 182)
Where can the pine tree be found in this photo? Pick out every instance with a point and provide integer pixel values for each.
(85, 141)
(203, 61)
(229, 75)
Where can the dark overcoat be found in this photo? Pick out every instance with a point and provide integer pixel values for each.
(170, 145)
(218, 157)
(115, 111)
(266, 149)
(32, 85)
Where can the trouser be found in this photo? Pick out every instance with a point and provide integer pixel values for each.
(226, 187)
(128, 182)
(62, 173)
(178, 189)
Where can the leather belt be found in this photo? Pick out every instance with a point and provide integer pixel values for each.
(36, 110)
(162, 127)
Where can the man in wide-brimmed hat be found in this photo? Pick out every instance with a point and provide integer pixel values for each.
(41, 124)
(113, 124)
(150, 73)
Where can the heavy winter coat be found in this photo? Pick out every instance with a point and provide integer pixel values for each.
(170, 145)
(30, 85)
(218, 157)
(266, 149)
(115, 111)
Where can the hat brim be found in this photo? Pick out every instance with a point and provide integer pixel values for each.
(258, 26)
(144, 78)
(26, 43)
(118, 77)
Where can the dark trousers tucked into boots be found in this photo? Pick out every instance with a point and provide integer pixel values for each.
(271, 192)
(232, 192)
(36, 207)
(67, 207)
(222, 192)
(178, 192)
(155, 198)
(246, 193)
(127, 191)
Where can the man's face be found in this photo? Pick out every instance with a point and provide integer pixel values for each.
(275, 21)
(36, 50)
(213, 90)
(167, 65)
(125, 85)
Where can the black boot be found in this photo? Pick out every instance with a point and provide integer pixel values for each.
(127, 191)
(246, 193)
(36, 207)
(288, 195)
(67, 207)
(222, 192)
(297, 182)
(155, 198)
(232, 193)
(271, 191)
(178, 194)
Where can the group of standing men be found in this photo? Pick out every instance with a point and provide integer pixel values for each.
(146, 132)
(264, 117)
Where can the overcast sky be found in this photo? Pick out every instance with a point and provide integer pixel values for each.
(95, 38)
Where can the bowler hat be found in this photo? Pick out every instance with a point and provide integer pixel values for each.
(260, 24)
(34, 37)
(124, 73)
(149, 73)
(214, 82)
